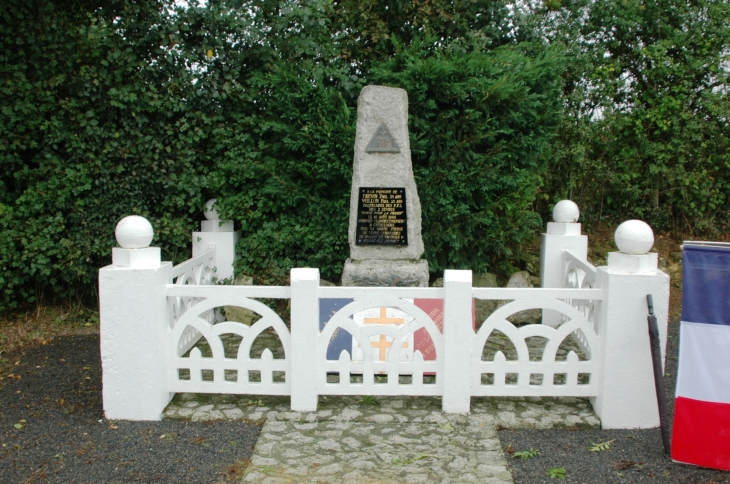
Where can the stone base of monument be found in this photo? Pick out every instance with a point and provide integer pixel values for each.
(405, 273)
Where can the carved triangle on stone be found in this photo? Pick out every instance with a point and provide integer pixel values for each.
(382, 141)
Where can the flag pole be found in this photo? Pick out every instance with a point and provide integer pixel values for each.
(656, 355)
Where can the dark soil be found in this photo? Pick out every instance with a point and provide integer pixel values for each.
(54, 397)
(634, 455)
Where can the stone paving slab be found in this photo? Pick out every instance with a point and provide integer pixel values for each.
(512, 413)
(370, 439)
(359, 452)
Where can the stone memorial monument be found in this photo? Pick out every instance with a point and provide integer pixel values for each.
(385, 211)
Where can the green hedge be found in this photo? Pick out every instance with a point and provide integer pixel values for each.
(646, 131)
(94, 127)
(120, 107)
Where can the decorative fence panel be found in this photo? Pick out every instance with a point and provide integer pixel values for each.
(221, 373)
(581, 274)
(197, 271)
(542, 373)
(379, 370)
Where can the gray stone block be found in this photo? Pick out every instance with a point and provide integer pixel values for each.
(238, 314)
(530, 316)
(409, 273)
(485, 307)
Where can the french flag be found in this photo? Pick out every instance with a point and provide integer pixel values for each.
(701, 433)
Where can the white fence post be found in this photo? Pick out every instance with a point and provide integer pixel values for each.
(218, 234)
(134, 329)
(627, 398)
(304, 338)
(563, 233)
(458, 340)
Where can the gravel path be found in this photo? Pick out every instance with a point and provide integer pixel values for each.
(52, 428)
(634, 455)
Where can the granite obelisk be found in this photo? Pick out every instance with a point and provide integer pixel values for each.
(385, 212)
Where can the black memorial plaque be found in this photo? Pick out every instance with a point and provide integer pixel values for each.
(381, 217)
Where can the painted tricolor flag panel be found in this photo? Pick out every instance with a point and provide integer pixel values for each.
(435, 310)
(701, 433)
(381, 343)
(419, 341)
(342, 340)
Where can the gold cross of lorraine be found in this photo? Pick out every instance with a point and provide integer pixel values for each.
(383, 319)
(382, 344)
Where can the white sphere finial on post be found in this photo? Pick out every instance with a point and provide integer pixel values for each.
(219, 235)
(134, 232)
(134, 235)
(562, 234)
(213, 222)
(634, 237)
(134, 324)
(211, 213)
(566, 211)
(627, 278)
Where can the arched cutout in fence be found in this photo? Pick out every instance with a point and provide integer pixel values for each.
(498, 342)
(251, 370)
(267, 340)
(231, 342)
(534, 370)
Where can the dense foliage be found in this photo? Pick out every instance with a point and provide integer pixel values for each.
(114, 107)
(95, 125)
(646, 130)
(150, 107)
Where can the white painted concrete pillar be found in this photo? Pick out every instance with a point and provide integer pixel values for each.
(627, 398)
(458, 338)
(562, 234)
(304, 338)
(219, 235)
(133, 325)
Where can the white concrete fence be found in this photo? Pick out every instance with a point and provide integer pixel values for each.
(153, 314)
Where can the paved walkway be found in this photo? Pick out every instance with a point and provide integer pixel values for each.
(382, 440)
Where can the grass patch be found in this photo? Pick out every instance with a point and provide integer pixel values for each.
(33, 328)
